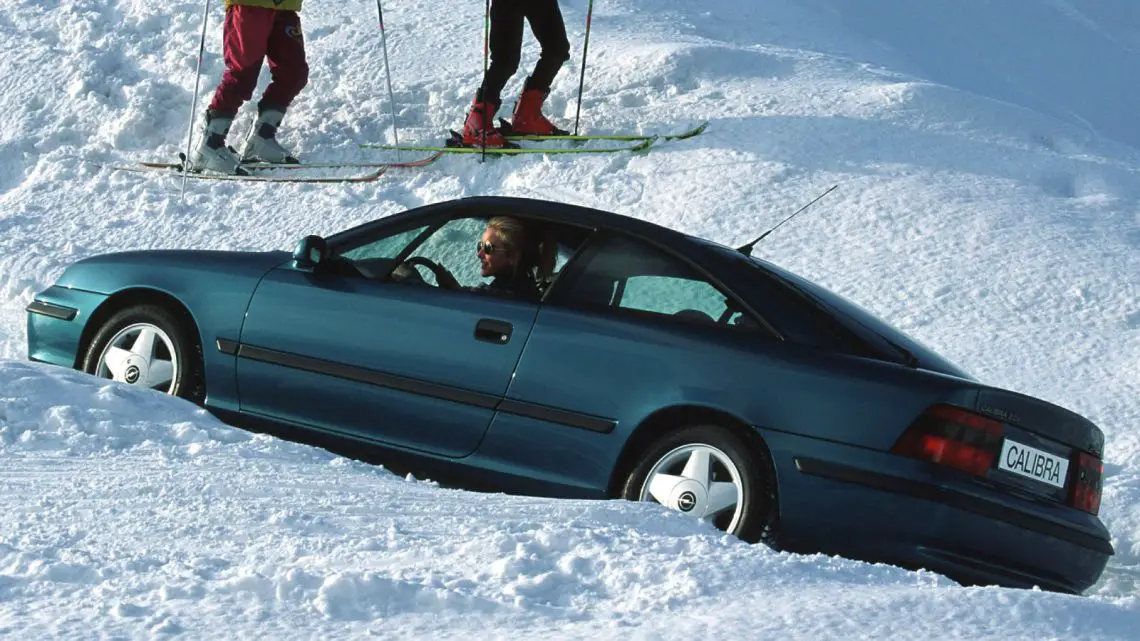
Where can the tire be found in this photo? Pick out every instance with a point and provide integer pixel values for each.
(731, 466)
(172, 365)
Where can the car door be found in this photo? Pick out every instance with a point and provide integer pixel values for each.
(629, 330)
(405, 364)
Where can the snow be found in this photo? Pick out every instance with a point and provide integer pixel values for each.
(988, 204)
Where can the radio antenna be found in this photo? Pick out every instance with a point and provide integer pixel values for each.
(747, 249)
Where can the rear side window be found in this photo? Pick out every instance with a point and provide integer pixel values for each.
(672, 295)
(630, 277)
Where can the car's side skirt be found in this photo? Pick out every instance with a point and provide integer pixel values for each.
(560, 416)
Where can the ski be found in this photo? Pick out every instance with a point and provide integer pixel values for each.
(505, 127)
(407, 164)
(455, 146)
(175, 169)
(644, 141)
(375, 170)
(267, 166)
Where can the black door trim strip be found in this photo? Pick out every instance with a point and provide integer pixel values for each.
(51, 309)
(415, 386)
(951, 498)
(362, 375)
(555, 415)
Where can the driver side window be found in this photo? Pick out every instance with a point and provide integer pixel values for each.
(453, 247)
(387, 247)
(372, 259)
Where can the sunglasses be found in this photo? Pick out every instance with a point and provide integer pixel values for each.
(486, 248)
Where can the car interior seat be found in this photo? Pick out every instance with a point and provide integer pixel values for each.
(695, 315)
(593, 290)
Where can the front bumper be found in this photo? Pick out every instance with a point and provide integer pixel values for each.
(56, 318)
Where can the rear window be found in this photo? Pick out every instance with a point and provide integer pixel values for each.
(852, 315)
(927, 357)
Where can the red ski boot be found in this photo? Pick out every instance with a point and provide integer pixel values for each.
(479, 130)
(528, 118)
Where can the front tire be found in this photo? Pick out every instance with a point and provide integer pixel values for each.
(147, 346)
(709, 472)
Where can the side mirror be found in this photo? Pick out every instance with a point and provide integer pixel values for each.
(310, 251)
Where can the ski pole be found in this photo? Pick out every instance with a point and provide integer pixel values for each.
(487, 118)
(582, 80)
(388, 73)
(486, 34)
(194, 101)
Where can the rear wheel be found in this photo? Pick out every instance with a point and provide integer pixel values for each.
(708, 472)
(147, 346)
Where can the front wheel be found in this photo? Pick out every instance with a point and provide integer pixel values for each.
(708, 472)
(147, 346)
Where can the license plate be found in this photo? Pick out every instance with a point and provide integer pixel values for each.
(1031, 462)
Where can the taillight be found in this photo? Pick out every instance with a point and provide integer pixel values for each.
(952, 437)
(1085, 493)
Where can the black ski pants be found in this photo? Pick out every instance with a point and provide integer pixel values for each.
(505, 41)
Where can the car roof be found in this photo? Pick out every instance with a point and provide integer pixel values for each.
(548, 210)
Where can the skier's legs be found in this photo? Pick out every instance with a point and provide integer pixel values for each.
(546, 23)
(286, 57)
(245, 37)
(505, 45)
(290, 74)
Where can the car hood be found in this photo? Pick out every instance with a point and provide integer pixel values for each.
(105, 272)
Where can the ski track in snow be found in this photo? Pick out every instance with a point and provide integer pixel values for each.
(988, 204)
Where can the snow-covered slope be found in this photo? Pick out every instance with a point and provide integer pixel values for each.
(989, 177)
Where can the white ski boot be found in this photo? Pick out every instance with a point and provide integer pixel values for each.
(212, 154)
(261, 144)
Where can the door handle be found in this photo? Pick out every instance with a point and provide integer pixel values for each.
(493, 331)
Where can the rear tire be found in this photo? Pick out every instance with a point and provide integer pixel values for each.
(148, 346)
(710, 472)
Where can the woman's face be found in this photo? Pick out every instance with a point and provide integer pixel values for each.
(494, 258)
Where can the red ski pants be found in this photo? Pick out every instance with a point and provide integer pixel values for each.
(250, 35)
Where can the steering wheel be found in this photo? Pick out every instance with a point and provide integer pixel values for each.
(443, 278)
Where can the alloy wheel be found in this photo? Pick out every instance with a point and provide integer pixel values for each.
(140, 354)
(700, 480)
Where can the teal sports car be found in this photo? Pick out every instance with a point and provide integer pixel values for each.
(636, 362)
